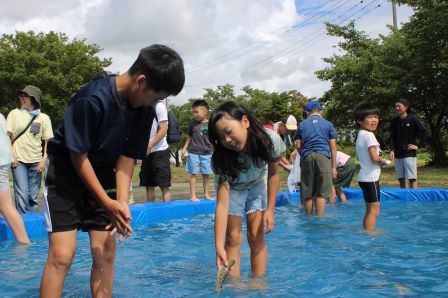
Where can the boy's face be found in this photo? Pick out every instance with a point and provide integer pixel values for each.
(199, 113)
(146, 98)
(140, 96)
(370, 122)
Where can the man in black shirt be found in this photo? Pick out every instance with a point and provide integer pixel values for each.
(404, 129)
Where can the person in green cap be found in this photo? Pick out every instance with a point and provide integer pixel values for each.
(27, 127)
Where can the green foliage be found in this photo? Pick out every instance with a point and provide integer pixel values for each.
(50, 61)
(411, 63)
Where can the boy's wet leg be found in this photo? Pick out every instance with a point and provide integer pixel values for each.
(61, 252)
(103, 249)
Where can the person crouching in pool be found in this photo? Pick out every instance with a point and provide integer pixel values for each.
(91, 161)
(246, 163)
(370, 160)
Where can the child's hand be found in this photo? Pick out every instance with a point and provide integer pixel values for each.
(221, 258)
(334, 173)
(268, 221)
(120, 217)
(386, 163)
(182, 154)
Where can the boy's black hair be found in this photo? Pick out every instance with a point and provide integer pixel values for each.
(200, 103)
(163, 68)
(258, 145)
(363, 110)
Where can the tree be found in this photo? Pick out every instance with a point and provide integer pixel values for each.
(267, 107)
(411, 63)
(50, 61)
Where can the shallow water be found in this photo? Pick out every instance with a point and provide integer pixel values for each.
(309, 257)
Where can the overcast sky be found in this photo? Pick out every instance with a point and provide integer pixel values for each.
(274, 45)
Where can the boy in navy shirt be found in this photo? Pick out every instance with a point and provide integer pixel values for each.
(91, 161)
(316, 142)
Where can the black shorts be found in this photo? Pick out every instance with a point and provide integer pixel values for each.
(68, 204)
(155, 170)
(371, 191)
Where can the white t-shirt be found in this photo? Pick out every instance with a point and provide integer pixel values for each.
(370, 171)
(162, 115)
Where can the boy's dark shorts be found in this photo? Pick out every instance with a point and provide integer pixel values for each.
(155, 170)
(317, 177)
(68, 204)
(370, 191)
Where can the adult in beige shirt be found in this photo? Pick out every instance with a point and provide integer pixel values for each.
(28, 153)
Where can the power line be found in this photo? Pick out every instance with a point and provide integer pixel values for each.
(252, 45)
(264, 64)
(295, 48)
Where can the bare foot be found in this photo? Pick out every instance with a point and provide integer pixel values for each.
(194, 199)
(209, 198)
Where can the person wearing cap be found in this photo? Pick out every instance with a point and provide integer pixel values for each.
(29, 131)
(316, 143)
(404, 130)
(284, 128)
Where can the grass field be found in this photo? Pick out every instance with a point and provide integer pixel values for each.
(428, 176)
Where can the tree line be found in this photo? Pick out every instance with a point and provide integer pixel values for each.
(411, 62)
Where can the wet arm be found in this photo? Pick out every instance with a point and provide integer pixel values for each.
(375, 157)
(123, 176)
(221, 214)
(273, 184)
(84, 168)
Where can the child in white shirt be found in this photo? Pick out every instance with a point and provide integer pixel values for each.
(370, 160)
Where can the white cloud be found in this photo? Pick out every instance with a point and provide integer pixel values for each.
(233, 41)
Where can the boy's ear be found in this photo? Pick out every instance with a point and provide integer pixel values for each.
(140, 81)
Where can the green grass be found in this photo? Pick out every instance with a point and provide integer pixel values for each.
(428, 176)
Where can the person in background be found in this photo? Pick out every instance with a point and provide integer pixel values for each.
(316, 142)
(7, 209)
(155, 169)
(404, 130)
(245, 160)
(346, 170)
(29, 130)
(199, 149)
(369, 155)
(285, 128)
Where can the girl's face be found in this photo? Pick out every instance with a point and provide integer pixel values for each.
(370, 122)
(233, 133)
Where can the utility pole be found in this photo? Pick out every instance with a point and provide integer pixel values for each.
(394, 14)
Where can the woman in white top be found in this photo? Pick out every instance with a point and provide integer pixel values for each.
(370, 160)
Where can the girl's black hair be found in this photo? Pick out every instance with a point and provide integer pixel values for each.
(35, 103)
(258, 145)
(363, 110)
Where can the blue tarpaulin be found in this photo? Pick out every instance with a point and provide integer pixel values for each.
(148, 213)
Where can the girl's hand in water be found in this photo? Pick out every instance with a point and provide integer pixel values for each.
(268, 221)
(221, 258)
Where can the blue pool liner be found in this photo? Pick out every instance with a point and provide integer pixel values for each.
(148, 213)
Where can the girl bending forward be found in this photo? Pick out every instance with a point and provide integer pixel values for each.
(245, 160)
